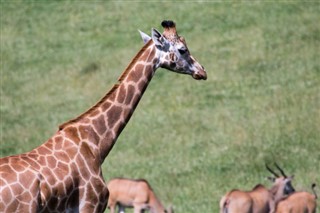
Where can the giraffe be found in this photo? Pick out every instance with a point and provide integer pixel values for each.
(64, 174)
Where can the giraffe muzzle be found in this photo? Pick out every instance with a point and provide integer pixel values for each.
(200, 75)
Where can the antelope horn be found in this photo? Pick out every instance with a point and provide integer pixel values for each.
(270, 170)
(282, 172)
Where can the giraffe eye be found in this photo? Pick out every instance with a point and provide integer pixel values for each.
(182, 51)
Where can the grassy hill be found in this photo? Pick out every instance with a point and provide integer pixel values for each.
(192, 140)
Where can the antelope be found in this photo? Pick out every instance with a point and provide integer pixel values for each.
(136, 193)
(259, 199)
(299, 202)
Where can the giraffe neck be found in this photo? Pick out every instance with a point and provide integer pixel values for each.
(101, 125)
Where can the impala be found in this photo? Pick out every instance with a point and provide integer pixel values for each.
(259, 199)
(136, 193)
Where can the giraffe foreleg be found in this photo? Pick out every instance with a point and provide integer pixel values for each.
(94, 196)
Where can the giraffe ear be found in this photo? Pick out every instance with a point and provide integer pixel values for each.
(158, 38)
(144, 37)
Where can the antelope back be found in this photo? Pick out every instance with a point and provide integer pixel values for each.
(236, 201)
(298, 202)
(125, 190)
(259, 199)
(135, 193)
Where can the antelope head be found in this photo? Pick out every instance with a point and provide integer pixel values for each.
(282, 186)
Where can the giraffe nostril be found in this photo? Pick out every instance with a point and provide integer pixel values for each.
(200, 75)
(205, 77)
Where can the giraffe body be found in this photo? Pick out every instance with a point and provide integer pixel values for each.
(53, 181)
(64, 174)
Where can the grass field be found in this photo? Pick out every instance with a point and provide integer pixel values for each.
(192, 140)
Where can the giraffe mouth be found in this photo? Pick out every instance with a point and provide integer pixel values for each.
(200, 75)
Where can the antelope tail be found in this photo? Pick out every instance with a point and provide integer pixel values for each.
(314, 191)
(225, 208)
(225, 205)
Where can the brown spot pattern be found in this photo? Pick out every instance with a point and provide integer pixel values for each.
(113, 115)
(66, 169)
(99, 124)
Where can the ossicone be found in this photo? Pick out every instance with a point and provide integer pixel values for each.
(168, 24)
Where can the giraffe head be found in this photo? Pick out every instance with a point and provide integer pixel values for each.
(173, 53)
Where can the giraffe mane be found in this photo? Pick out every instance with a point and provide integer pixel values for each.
(111, 91)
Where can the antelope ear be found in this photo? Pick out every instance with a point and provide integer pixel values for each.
(144, 37)
(272, 179)
(158, 38)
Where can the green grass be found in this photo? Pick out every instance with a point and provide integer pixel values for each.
(192, 140)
